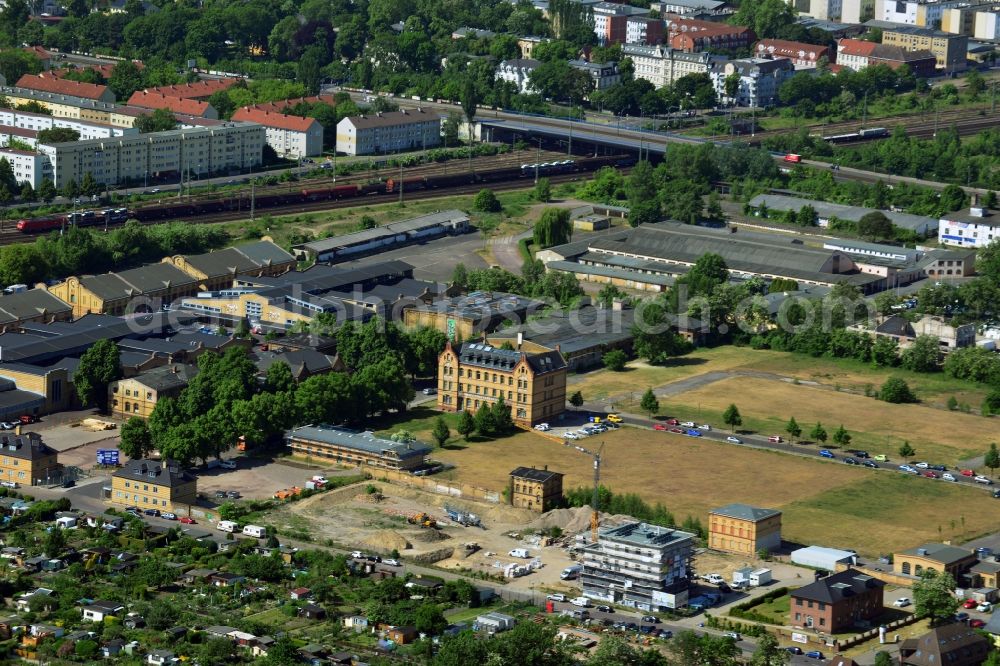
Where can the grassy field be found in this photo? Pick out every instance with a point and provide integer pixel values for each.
(828, 503)
(776, 609)
(933, 389)
(766, 405)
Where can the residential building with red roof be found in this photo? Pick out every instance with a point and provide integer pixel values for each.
(854, 53)
(695, 35)
(200, 90)
(148, 99)
(291, 136)
(802, 55)
(51, 84)
(41, 54)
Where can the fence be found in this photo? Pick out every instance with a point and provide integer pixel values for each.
(438, 486)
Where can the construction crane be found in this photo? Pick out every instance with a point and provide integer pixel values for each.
(595, 518)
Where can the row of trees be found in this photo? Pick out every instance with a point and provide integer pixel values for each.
(534, 281)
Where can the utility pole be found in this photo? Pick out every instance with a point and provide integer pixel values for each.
(400, 182)
(253, 200)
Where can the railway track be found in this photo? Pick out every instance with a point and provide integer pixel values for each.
(944, 118)
(334, 204)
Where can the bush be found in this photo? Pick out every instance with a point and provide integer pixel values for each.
(487, 202)
(615, 360)
(896, 390)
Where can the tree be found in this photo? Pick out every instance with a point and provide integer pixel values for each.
(875, 226)
(54, 542)
(906, 451)
(896, 390)
(466, 424)
(460, 276)
(136, 440)
(934, 596)
(543, 190)
(731, 417)
(279, 378)
(99, 366)
(441, 433)
(615, 360)
(428, 619)
(503, 423)
(649, 403)
(125, 79)
(487, 202)
(841, 437)
(883, 659)
(793, 429)
(922, 355)
(818, 433)
(485, 420)
(160, 120)
(992, 459)
(769, 652)
(46, 190)
(553, 228)
(576, 399)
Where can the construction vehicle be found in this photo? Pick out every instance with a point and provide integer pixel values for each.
(286, 493)
(595, 516)
(422, 519)
(462, 517)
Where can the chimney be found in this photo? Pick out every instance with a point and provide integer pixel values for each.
(546, 468)
(520, 339)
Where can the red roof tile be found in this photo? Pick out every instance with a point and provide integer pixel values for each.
(283, 121)
(196, 90)
(51, 84)
(855, 47)
(792, 50)
(151, 100)
(38, 52)
(283, 104)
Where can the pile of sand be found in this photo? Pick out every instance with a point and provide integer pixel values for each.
(387, 540)
(571, 521)
(429, 535)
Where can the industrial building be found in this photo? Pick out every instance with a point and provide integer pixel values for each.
(531, 380)
(638, 565)
(389, 132)
(972, 228)
(380, 239)
(351, 447)
(821, 557)
(934, 556)
(825, 211)
(466, 316)
(219, 269)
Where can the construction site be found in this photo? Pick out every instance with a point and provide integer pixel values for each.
(491, 540)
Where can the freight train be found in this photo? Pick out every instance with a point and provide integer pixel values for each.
(184, 209)
(861, 135)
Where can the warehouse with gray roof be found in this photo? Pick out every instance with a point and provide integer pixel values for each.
(825, 211)
(353, 447)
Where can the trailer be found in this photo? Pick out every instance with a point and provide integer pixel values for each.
(464, 518)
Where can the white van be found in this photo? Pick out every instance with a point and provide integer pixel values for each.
(227, 526)
(581, 601)
(519, 552)
(255, 531)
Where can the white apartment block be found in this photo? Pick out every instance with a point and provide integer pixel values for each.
(517, 71)
(760, 80)
(986, 25)
(289, 136)
(856, 11)
(28, 166)
(40, 121)
(391, 132)
(662, 65)
(920, 13)
(180, 152)
(640, 566)
(824, 10)
(977, 227)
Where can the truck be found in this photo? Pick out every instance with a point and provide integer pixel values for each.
(462, 517)
(571, 572)
(581, 601)
(255, 531)
(226, 526)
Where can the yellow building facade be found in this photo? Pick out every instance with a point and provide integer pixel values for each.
(535, 489)
(949, 50)
(936, 557)
(531, 383)
(744, 529)
(137, 396)
(25, 459)
(153, 484)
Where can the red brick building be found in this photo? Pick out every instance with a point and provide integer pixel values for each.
(695, 35)
(837, 602)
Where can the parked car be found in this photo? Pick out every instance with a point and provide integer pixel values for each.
(358, 555)
(134, 511)
(228, 464)
(725, 589)
(961, 617)
(152, 512)
(931, 475)
(603, 609)
(985, 607)
(824, 453)
(734, 635)
(691, 432)
(858, 453)
(688, 424)
(851, 461)
(27, 419)
(542, 427)
(10, 484)
(908, 469)
(677, 430)
(869, 463)
(6, 425)
(614, 418)
(188, 521)
(977, 623)
(734, 440)
(220, 494)
(556, 597)
(968, 472)
(571, 435)
(970, 603)
(902, 602)
(705, 427)
(168, 515)
(659, 426)
(651, 618)
(793, 650)
(881, 458)
(921, 465)
(939, 468)
(983, 480)
(429, 391)
(814, 654)
(996, 494)
(673, 422)
(948, 477)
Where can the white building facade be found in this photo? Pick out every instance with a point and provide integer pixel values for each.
(289, 136)
(29, 167)
(977, 227)
(518, 72)
(41, 121)
(185, 152)
(662, 65)
(391, 132)
(760, 80)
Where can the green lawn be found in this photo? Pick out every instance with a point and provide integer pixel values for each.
(776, 609)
